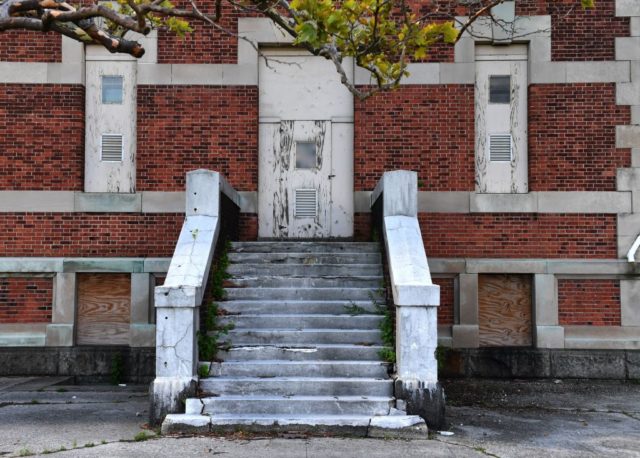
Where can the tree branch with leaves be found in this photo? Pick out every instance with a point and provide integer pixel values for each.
(381, 36)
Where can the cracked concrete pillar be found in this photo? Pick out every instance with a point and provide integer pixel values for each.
(415, 296)
(178, 301)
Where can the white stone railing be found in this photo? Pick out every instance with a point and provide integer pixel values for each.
(178, 301)
(395, 203)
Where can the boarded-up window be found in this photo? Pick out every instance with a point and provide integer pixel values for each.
(504, 310)
(104, 309)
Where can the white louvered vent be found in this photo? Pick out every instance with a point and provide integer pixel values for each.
(111, 149)
(306, 203)
(500, 148)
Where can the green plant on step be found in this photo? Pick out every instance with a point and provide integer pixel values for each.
(354, 309)
(441, 354)
(203, 370)
(212, 331)
(388, 335)
(219, 273)
(210, 337)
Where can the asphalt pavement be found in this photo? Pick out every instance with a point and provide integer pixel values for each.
(497, 418)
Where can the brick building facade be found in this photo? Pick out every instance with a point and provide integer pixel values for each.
(564, 229)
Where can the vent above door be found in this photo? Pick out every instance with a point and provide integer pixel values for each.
(306, 203)
(111, 148)
(500, 147)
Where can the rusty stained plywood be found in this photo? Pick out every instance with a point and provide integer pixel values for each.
(104, 309)
(505, 309)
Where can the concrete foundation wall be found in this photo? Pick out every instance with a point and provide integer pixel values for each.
(86, 364)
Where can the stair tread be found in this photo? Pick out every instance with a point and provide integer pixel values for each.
(302, 315)
(300, 398)
(307, 330)
(300, 379)
(310, 361)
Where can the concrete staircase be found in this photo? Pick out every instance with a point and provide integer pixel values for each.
(305, 345)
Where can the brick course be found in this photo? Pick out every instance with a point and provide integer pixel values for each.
(182, 128)
(42, 139)
(30, 46)
(445, 310)
(424, 128)
(572, 137)
(206, 45)
(89, 234)
(513, 235)
(589, 302)
(26, 299)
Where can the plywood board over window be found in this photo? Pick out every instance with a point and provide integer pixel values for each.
(504, 310)
(104, 309)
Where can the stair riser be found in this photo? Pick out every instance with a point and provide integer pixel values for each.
(304, 322)
(223, 406)
(276, 387)
(300, 270)
(375, 370)
(241, 337)
(312, 294)
(309, 282)
(272, 352)
(304, 247)
(295, 307)
(305, 258)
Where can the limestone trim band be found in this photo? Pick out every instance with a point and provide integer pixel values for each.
(587, 202)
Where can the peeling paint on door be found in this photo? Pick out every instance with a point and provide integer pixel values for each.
(501, 119)
(303, 106)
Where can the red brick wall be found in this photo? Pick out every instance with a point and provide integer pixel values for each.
(585, 34)
(41, 137)
(182, 128)
(572, 139)
(206, 45)
(248, 229)
(89, 234)
(25, 299)
(589, 302)
(28, 46)
(445, 311)
(513, 235)
(428, 129)
(362, 227)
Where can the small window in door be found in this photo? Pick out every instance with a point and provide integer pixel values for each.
(112, 90)
(306, 155)
(500, 89)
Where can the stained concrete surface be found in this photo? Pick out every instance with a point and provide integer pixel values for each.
(506, 418)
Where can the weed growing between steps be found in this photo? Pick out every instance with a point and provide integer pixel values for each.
(387, 330)
(210, 337)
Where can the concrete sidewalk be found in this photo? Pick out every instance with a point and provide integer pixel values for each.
(488, 418)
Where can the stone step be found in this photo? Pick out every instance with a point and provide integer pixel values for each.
(381, 426)
(305, 247)
(297, 405)
(297, 386)
(306, 258)
(299, 336)
(308, 294)
(299, 321)
(302, 353)
(303, 270)
(244, 280)
(310, 368)
(291, 307)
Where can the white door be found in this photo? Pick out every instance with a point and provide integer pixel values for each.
(501, 119)
(296, 191)
(305, 178)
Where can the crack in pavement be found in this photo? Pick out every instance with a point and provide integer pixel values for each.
(471, 447)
